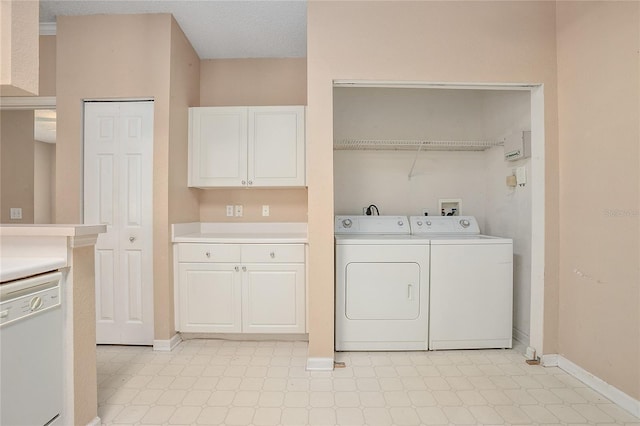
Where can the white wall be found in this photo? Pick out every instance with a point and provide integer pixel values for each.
(508, 210)
(391, 113)
(381, 178)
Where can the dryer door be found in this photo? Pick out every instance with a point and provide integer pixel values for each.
(378, 290)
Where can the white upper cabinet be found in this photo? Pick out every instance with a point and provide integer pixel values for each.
(247, 146)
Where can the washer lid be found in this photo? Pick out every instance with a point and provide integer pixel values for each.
(376, 225)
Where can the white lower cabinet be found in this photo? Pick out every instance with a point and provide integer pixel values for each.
(210, 298)
(241, 288)
(273, 298)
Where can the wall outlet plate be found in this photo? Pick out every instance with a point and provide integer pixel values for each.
(229, 211)
(16, 213)
(238, 210)
(265, 210)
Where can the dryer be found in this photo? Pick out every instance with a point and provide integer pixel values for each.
(382, 285)
(471, 284)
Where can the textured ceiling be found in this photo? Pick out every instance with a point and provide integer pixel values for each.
(216, 29)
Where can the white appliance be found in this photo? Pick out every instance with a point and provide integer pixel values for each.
(382, 285)
(471, 284)
(31, 351)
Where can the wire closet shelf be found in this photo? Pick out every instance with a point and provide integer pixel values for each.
(413, 145)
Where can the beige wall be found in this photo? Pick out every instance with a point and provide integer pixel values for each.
(598, 91)
(16, 165)
(19, 47)
(43, 178)
(495, 42)
(183, 201)
(85, 385)
(285, 205)
(231, 82)
(47, 73)
(116, 56)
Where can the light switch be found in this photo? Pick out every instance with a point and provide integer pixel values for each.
(16, 213)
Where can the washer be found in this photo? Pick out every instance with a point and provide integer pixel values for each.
(382, 285)
(471, 284)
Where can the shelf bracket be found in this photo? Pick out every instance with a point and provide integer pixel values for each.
(415, 159)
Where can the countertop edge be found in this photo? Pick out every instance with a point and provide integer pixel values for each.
(241, 240)
(54, 230)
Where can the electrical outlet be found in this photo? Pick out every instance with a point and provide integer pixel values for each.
(229, 211)
(238, 210)
(16, 213)
(265, 210)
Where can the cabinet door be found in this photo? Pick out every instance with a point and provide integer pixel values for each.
(210, 298)
(217, 146)
(276, 146)
(273, 298)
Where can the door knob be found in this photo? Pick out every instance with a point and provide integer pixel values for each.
(132, 239)
(272, 254)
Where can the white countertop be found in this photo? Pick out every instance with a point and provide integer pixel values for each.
(28, 249)
(49, 230)
(12, 268)
(238, 233)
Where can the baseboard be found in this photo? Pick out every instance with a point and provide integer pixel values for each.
(620, 398)
(167, 345)
(550, 360)
(520, 336)
(94, 422)
(319, 364)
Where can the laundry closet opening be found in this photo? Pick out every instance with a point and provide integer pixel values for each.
(420, 148)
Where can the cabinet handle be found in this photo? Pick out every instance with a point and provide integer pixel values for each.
(273, 255)
(244, 269)
(237, 269)
(244, 182)
(208, 254)
(250, 182)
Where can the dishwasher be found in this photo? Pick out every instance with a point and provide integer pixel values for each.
(31, 342)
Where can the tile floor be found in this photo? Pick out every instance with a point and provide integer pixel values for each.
(212, 382)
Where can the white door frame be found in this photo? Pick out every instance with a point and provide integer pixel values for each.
(537, 179)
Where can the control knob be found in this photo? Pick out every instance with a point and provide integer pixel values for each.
(419, 223)
(428, 223)
(465, 223)
(400, 223)
(347, 223)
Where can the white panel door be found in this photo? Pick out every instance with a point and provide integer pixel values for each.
(276, 146)
(273, 298)
(118, 186)
(218, 146)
